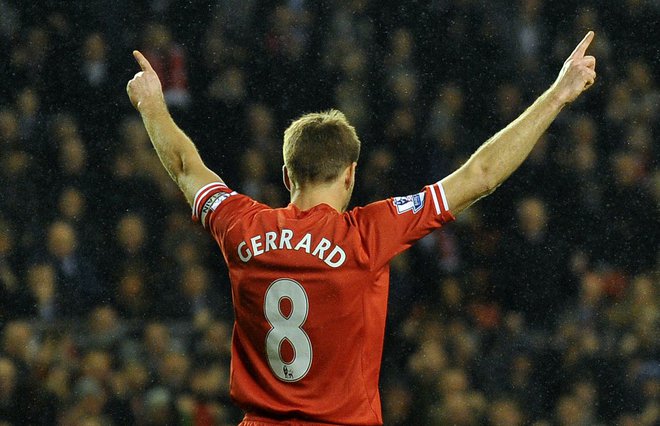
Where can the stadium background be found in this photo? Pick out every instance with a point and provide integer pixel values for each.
(538, 306)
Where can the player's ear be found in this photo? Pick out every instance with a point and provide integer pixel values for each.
(286, 179)
(349, 175)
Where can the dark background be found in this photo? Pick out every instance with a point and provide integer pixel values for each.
(538, 306)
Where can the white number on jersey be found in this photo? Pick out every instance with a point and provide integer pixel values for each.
(287, 328)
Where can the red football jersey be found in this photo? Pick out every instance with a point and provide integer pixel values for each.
(310, 293)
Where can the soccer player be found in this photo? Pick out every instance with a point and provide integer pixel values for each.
(310, 281)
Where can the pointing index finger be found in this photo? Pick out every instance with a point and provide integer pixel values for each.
(581, 48)
(144, 64)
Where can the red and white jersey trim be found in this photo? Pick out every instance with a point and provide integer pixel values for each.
(436, 189)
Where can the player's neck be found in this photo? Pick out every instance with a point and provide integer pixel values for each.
(313, 195)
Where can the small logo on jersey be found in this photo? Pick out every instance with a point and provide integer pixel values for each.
(413, 202)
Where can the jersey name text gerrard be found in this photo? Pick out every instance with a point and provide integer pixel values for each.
(332, 254)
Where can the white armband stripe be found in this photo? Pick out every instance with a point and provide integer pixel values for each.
(435, 199)
(443, 196)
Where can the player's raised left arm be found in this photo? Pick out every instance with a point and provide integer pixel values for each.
(175, 150)
(503, 153)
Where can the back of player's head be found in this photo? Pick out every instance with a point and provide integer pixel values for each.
(318, 146)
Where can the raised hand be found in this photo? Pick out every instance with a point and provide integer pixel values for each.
(144, 90)
(578, 72)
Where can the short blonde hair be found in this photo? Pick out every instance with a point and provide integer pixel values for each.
(318, 146)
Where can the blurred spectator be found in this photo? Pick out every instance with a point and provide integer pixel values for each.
(31, 120)
(254, 173)
(286, 41)
(444, 117)
(9, 128)
(509, 104)
(570, 412)
(529, 30)
(133, 296)
(235, 17)
(633, 216)
(9, 23)
(379, 176)
(169, 61)
(505, 412)
(73, 207)
(16, 171)
(352, 99)
(9, 280)
(145, 162)
(213, 346)
(156, 343)
(173, 371)
(10, 396)
(42, 284)
(95, 89)
(537, 281)
(397, 404)
(77, 283)
(130, 241)
(644, 90)
(208, 385)
(119, 187)
(95, 68)
(228, 89)
(28, 56)
(72, 160)
(89, 403)
(349, 29)
(198, 301)
(16, 345)
(159, 408)
(105, 330)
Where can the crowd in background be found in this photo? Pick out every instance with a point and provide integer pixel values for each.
(539, 305)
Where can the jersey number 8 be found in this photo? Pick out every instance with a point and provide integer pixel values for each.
(289, 328)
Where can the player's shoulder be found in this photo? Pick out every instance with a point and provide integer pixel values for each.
(429, 199)
(218, 203)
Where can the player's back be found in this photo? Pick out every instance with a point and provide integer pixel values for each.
(310, 294)
(309, 317)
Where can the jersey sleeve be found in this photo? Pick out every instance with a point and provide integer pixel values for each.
(390, 226)
(217, 208)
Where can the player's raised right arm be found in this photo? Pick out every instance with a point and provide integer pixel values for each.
(175, 150)
(502, 154)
